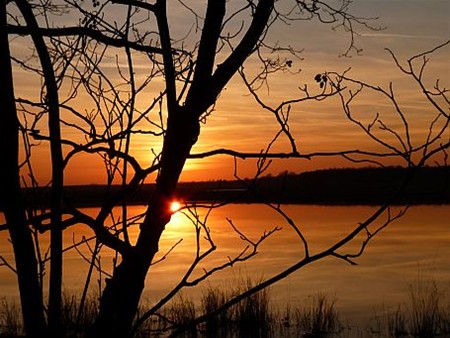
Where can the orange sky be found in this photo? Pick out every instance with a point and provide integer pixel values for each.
(238, 123)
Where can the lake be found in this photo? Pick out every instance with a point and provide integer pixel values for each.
(415, 247)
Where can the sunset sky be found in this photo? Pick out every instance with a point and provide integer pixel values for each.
(411, 27)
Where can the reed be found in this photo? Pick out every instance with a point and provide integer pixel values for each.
(10, 319)
(316, 317)
(251, 317)
(217, 326)
(425, 314)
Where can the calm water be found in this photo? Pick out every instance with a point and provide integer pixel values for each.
(415, 247)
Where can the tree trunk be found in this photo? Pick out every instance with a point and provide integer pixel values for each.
(22, 242)
(52, 99)
(120, 299)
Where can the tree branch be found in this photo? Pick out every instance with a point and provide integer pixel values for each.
(207, 51)
(85, 31)
(246, 46)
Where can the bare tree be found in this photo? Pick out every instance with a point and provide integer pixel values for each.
(14, 209)
(104, 108)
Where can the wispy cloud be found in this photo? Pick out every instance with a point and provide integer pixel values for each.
(399, 36)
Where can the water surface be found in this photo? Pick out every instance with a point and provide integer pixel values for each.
(417, 246)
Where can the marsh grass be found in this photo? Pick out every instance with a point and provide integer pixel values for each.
(10, 319)
(256, 317)
(76, 320)
(397, 324)
(217, 326)
(316, 317)
(425, 310)
(426, 313)
(253, 316)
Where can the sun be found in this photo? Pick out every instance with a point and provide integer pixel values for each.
(175, 206)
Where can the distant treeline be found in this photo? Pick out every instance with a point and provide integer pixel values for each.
(366, 186)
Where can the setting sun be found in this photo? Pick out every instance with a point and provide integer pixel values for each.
(175, 206)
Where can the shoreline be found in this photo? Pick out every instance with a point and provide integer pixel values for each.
(340, 187)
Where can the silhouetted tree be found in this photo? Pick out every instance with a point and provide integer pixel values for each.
(14, 208)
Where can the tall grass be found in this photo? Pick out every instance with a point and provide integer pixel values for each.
(316, 317)
(211, 300)
(77, 321)
(251, 317)
(425, 314)
(397, 323)
(10, 319)
(256, 316)
(425, 310)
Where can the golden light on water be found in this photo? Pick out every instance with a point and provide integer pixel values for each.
(175, 206)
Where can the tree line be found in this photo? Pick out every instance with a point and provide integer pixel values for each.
(338, 186)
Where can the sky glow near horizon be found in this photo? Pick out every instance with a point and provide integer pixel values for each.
(239, 123)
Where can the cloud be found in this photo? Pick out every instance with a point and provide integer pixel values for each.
(398, 36)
